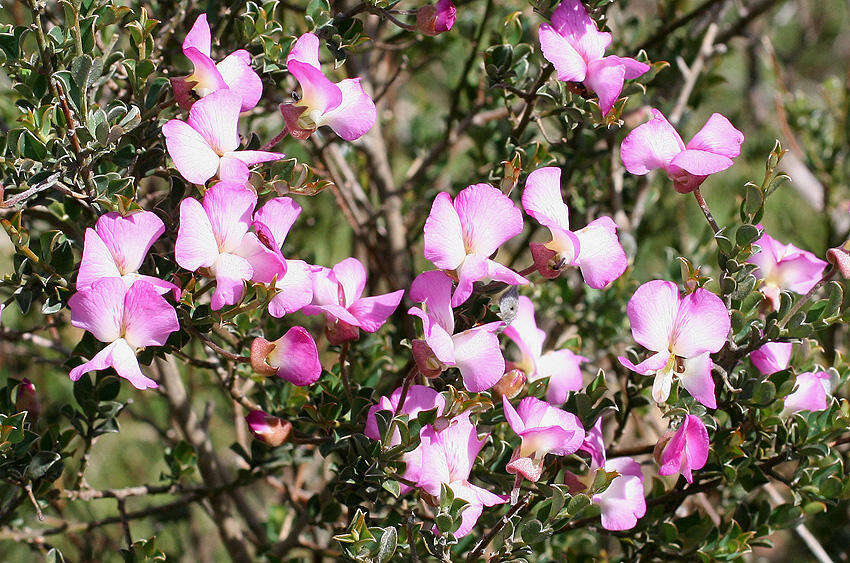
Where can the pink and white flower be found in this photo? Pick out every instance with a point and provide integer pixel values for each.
(127, 320)
(234, 72)
(811, 392)
(656, 144)
(594, 249)
(293, 357)
(434, 19)
(623, 503)
(337, 293)
(785, 267)
(681, 332)
(344, 107)
(116, 248)
(576, 48)
(419, 399)
(446, 457)
(687, 450)
(475, 352)
(544, 429)
(461, 235)
(561, 367)
(206, 144)
(214, 235)
(772, 357)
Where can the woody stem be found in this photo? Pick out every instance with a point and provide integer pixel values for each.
(706, 211)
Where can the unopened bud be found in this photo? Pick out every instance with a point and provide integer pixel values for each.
(339, 332)
(27, 399)
(434, 19)
(267, 428)
(839, 257)
(511, 383)
(426, 361)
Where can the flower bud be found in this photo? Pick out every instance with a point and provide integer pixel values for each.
(839, 257)
(511, 384)
(434, 19)
(339, 332)
(425, 359)
(267, 428)
(27, 399)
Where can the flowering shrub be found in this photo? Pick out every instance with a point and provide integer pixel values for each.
(380, 282)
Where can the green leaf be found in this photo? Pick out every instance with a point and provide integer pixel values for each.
(387, 544)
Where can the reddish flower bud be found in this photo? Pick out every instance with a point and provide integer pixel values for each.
(511, 383)
(27, 399)
(839, 257)
(339, 332)
(434, 19)
(267, 428)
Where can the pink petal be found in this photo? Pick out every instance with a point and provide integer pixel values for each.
(718, 136)
(229, 208)
(193, 156)
(650, 146)
(419, 399)
(501, 273)
(241, 79)
(446, 13)
(356, 113)
(434, 289)
(488, 218)
(701, 163)
(811, 392)
(231, 272)
(478, 357)
(296, 357)
(562, 439)
(569, 64)
(687, 450)
(317, 92)
(216, 118)
(649, 366)
(266, 264)
(278, 215)
(122, 358)
(601, 256)
(801, 272)
(99, 309)
(772, 357)
(524, 332)
(652, 312)
(97, 261)
(594, 444)
(701, 325)
(514, 420)
(697, 380)
(160, 286)
(196, 245)
(205, 78)
(572, 21)
(199, 36)
(473, 269)
(372, 312)
(148, 318)
(634, 69)
(232, 170)
(443, 234)
(242, 55)
(623, 502)
(542, 198)
(351, 275)
(605, 77)
(306, 50)
(563, 368)
(129, 238)
(295, 289)
(256, 157)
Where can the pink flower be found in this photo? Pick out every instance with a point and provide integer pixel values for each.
(594, 444)
(337, 293)
(785, 267)
(344, 107)
(595, 249)
(576, 48)
(419, 398)
(655, 144)
(772, 357)
(116, 248)
(623, 502)
(434, 19)
(681, 332)
(272, 223)
(475, 352)
(127, 319)
(687, 450)
(461, 235)
(214, 235)
(293, 357)
(446, 457)
(270, 429)
(206, 144)
(234, 72)
(543, 429)
(811, 392)
(561, 367)
(27, 400)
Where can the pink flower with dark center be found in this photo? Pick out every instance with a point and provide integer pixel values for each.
(234, 72)
(785, 267)
(656, 144)
(272, 223)
(811, 392)
(270, 429)
(206, 144)
(446, 457)
(214, 235)
(687, 450)
(434, 19)
(293, 357)
(681, 332)
(475, 352)
(543, 429)
(337, 293)
(116, 248)
(772, 357)
(127, 320)
(344, 107)
(461, 235)
(595, 249)
(576, 48)
(561, 367)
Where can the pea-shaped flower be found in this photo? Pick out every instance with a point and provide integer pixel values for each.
(687, 450)
(811, 392)
(785, 267)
